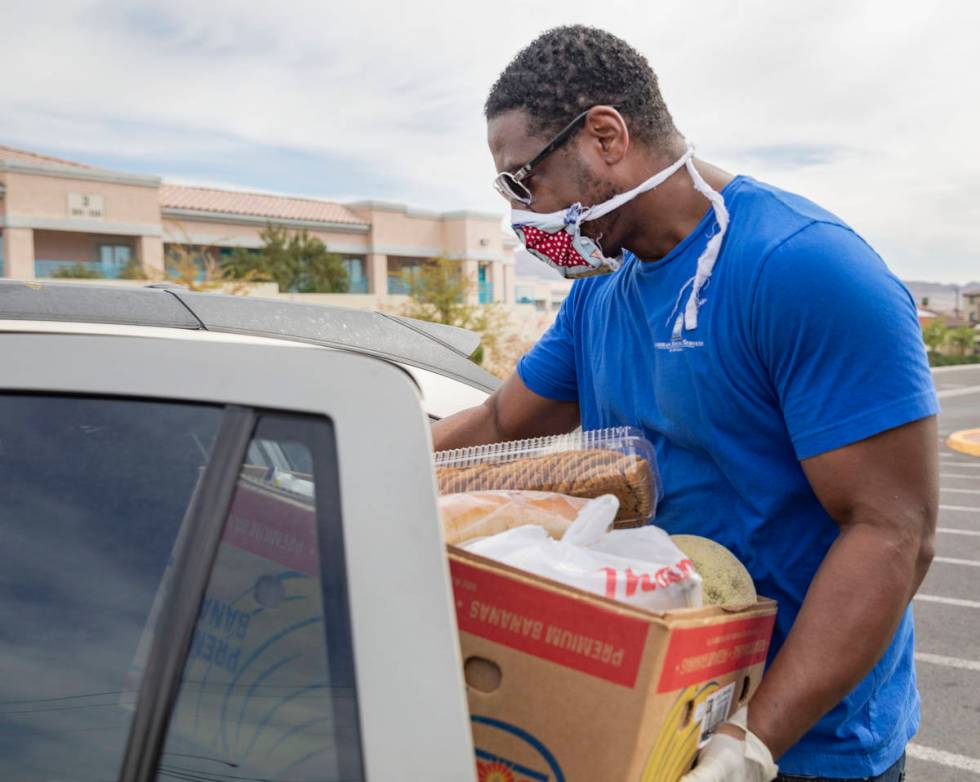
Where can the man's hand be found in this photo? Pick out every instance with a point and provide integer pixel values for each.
(734, 754)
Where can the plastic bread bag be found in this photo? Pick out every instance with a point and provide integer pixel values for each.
(617, 461)
(641, 567)
(478, 514)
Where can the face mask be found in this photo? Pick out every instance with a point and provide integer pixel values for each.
(556, 238)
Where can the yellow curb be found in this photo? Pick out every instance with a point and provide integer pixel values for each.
(965, 441)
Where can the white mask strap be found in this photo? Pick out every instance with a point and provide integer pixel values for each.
(659, 178)
(520, 216)
(706, 263)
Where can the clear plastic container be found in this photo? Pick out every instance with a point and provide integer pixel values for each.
(616, 461)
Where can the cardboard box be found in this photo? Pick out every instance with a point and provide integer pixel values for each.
(566, 686)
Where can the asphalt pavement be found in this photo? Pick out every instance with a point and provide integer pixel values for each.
(947, 606)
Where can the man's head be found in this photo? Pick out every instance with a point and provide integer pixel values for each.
(562, 73)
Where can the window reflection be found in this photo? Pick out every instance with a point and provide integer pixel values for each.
(92, 494)
(268, 686)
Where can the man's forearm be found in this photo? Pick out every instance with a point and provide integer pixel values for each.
(474, 426)
(512, 412)
(847, 620)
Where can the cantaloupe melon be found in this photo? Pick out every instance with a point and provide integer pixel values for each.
(724, 580)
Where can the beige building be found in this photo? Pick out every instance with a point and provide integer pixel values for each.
(57, 213)
(971, 304)
(546, 295)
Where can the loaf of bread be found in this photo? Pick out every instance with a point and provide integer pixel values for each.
(584, 473)
(479, 514)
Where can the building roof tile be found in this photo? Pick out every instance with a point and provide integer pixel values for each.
(22, 155)
(206, 199)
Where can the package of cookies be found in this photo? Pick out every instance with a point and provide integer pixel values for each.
(616, 461)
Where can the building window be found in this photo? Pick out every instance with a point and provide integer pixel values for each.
(113, 257)
(110, 261)
(402, 273)
(208, 261)
(486, 283)
(355, 274)
(524, 294)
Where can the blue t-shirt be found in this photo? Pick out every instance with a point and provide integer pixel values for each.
(805, 343)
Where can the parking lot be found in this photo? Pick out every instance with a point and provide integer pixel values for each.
(947, 608)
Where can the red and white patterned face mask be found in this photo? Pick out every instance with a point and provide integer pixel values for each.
(556, 237)
(565, 249)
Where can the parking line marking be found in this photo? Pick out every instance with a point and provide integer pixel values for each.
(958, 392)
(944, 758)
(960, 491)
(952, 561)
(952, 531)
(960, 507)
(950, 601)
(949, 662)
(940, 371)
(958, 475)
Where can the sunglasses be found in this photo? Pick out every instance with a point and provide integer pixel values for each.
(511, 185)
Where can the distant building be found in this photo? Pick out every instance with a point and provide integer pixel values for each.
(954, 321)
(971, 304)
(56, 213)
(546, 295)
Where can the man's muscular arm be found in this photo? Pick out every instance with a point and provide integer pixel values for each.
(883, 492)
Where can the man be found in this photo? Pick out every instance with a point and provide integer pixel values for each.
(772, 359)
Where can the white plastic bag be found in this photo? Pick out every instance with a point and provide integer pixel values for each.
(641, 566)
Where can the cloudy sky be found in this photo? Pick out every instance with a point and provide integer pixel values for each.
(871, 107)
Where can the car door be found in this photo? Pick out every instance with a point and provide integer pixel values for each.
(176, 607)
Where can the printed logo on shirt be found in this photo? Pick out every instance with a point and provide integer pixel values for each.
(677, 342)
(677, 345)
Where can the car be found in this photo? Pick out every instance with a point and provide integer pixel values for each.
(436, 356)
(223, 558)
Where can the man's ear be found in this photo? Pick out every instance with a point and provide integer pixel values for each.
(606, 132)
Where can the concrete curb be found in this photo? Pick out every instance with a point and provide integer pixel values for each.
(965, 441)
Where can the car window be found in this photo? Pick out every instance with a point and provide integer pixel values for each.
(268, 689)
(92, 495)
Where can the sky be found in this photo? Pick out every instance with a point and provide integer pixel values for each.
(870, 108)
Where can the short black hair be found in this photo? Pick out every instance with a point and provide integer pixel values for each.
(566, 70)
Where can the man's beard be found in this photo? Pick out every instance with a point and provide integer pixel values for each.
(601, 232)
(596, 191)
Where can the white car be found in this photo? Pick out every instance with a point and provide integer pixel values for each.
(222, 558)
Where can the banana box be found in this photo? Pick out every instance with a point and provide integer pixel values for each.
(567, 686)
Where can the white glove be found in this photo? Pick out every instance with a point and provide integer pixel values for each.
(728, 759)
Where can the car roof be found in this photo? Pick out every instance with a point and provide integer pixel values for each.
(430, 346)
